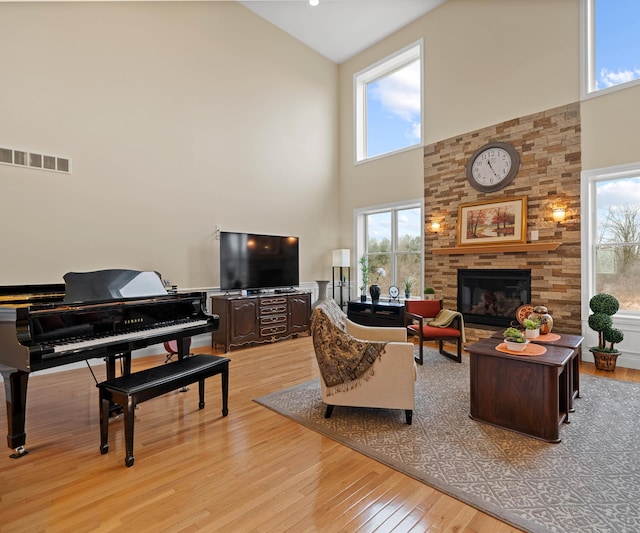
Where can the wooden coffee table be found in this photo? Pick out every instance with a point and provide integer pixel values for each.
(529, 394)
(566, 340)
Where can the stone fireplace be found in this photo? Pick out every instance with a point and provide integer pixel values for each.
(549, 146)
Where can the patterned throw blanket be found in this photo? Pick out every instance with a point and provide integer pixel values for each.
(344, 361)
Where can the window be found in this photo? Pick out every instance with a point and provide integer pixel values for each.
(612, 44)
(614, 234)
(391, 239)
(388, 104)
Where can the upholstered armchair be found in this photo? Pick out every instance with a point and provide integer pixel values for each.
(362, 366)
(427, 320)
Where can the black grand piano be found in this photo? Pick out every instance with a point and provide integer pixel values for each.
(107, 314)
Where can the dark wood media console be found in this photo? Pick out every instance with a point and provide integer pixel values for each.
(381, 313)
(259, 318)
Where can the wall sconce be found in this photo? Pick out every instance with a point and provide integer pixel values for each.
(435, 226)
(559, 214)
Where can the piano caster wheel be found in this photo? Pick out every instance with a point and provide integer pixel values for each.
(20, 452)
(129, 461)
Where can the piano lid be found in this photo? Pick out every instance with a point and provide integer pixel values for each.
(111, 284)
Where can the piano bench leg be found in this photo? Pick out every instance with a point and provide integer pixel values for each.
(201, 394)
(129, 418)
(104, 422)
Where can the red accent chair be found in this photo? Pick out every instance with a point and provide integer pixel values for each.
(418, 313)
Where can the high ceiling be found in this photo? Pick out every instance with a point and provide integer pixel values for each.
(340, 29)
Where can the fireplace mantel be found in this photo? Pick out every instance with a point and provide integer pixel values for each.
(498, 248)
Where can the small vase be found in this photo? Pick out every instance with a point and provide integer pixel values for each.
(532, 333)
(374, 291)
(363, 297)
(546, 320)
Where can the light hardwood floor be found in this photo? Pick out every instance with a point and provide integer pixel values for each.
(253, 471)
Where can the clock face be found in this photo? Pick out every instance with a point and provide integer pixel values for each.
(493, 167)
(393, 291)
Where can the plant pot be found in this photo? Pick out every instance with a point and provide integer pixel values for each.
(532, 333)
(516, 346)
(363, 297)
(429, 296)
(605, 360)
(374, 290)
(407, 295)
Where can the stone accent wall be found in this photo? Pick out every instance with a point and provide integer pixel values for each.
(549, 175)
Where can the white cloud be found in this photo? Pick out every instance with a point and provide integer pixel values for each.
(609, 78)
(399, 93)
(618, 193)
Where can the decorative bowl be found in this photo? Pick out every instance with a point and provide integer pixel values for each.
(516, 346)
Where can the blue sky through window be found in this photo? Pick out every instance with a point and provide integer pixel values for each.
(617, 42)
(393, 111)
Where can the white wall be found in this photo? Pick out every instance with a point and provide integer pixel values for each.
(177, 117)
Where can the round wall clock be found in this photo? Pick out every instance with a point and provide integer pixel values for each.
(493, 166)
(393, 292)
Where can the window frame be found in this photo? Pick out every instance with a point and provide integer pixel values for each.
(627, 321)
(379, 70)
(588, 55)
(589, 181)
(360, 237)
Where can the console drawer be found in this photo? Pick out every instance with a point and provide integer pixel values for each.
(278, 329)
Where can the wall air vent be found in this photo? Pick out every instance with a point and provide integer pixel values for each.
(24, 158)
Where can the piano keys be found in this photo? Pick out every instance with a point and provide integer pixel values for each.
(107, 314)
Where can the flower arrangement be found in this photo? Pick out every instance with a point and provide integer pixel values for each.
(380, 273)
(531, 324)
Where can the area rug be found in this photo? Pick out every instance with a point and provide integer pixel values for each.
(589, 482)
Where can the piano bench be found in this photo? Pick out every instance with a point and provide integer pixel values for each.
(138, 387)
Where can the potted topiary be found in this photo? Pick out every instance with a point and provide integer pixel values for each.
(604, 306)
(429, 293)
(408, 285)
(532, 326)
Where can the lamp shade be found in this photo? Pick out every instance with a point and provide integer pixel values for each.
(341, 258)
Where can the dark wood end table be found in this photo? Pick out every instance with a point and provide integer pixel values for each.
(526, 394)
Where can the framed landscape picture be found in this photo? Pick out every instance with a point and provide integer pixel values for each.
(502, 221)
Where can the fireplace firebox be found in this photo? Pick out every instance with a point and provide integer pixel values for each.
(491, 297)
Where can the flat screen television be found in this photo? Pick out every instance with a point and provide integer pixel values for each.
(250, 261)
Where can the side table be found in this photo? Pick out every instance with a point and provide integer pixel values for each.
(573, 342)
(526, 394)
